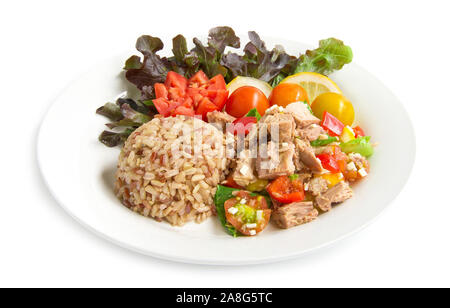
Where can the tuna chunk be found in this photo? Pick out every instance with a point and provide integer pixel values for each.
(303, 117)
(311, 132)
(279, 161)
(219, 119)
(243, 174)
(294, 214)
(280, 126)
(305, 154)
(317, 186)
(336, 194)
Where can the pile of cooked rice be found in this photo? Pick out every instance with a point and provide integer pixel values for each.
(169, 169)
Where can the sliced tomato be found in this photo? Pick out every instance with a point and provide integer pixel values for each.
(250, 216)
(182, 110)
(332, 124)
(205, 107)
(161, 90)
(199, 93)
(242, 126)
(220, 99)
(286, 190)
(199, 79)
(175, 80)
(162, 105)
(329, 162)
(217, 83)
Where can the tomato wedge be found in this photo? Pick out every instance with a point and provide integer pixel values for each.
(199, 93)
(249, 215)
(175, 80)
(205, 107)
(199, 79)
(161, 91)
(286, 190)
(217, 83)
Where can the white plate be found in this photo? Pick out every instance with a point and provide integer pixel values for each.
(79, 172)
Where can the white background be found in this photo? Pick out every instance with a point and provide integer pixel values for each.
(44, 45)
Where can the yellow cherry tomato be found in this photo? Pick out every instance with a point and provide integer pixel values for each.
(336, 104)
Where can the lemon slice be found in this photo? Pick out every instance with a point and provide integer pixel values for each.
(314, 84)
(241, 81)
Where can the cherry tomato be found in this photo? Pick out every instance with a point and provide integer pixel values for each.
(245, 99)
(286, 190)
(286, 93)
(336, 104)
(247, 213)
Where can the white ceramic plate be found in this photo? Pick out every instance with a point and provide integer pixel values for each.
(79, 172)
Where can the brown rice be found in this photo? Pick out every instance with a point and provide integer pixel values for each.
(169, 169)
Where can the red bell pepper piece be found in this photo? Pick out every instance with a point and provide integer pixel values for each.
(329, 162)
(358, 132)
(331, 124)
(242, 126)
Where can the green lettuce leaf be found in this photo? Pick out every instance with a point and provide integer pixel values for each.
(223, 194)
(359, 145)
(331, 55)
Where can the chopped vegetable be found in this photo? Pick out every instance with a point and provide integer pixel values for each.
(331, 124)
(359, 145)
(359, 132)
(329, 162)
(197, 96)
(347, 134)
(258, 185)
(242, 126)
(285, 190)
(247, 213)
(332, 178)
(323, 142)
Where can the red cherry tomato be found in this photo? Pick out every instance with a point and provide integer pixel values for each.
(245, 99)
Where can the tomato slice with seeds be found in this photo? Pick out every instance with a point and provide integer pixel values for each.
(249, 217)
(286, 190)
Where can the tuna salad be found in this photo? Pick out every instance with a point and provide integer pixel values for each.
(249, 139)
